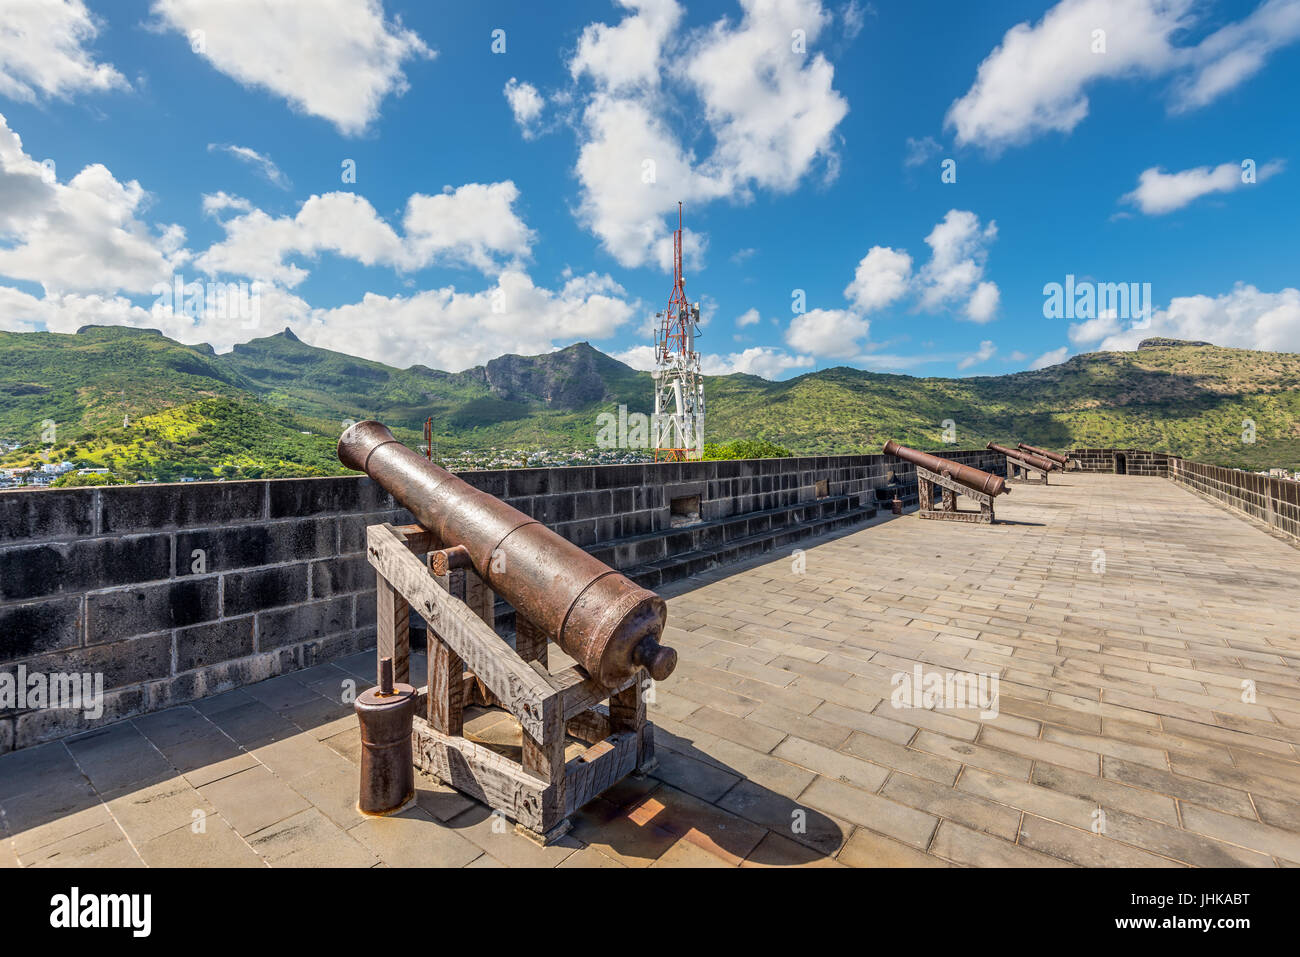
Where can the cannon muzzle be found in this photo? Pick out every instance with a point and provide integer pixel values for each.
(600, 618)
(968, 475)
(1056, 457)
(1037, 461)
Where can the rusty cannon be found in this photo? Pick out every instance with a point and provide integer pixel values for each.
(1025, 465)
(465, 548)
(1056, 457)
(600, 618)
(1037, 461)
(952, 479)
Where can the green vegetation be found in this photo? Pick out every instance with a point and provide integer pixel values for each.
(745, 449)
(146, 407)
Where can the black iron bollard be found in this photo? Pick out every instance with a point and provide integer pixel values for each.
(387, 768)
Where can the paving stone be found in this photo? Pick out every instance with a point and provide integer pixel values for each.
(499, 839)
(819, 834)
(1084, 847)
(215, 845)
(833, 764)
(414, 838)
(589, 857)
(103, 845)
(716, 831)
(37, 768)
(1178, 844)
(869, 810)
(961, 845)
(151, 811)
(309, 839)
(119, 756)
(952, 805)
(868, 849)
(253, 799)
(1264, 838)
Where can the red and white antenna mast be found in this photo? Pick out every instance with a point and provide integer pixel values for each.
(679, 387)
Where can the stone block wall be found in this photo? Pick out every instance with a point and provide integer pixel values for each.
(1133, 461)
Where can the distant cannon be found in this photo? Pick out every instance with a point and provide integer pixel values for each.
(953, 479)
(977, 479)
(1024, 465)
(1056, 457)
(1037, 461)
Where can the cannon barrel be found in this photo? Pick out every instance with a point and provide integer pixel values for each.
(1037, 461)
(977, 479)
(603, 620)
(1056, 457)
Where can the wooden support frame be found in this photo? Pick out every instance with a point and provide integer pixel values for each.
(1028, 472)
(948, 510)
(470, 664)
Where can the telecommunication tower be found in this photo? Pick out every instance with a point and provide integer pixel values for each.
(679, 388)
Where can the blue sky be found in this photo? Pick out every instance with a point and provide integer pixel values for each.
(517, 170)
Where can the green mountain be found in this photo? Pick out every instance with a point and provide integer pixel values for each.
(149, 407)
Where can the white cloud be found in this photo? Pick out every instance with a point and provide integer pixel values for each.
(1233, 54)
(758, 360)
(1244, 318)
(1035, 80)
(214, 204)
(920, 151)
(883, 276)
(43, 51)
(749, 317)
(627, 55)
(1052, 358)
(983, 302)
(1159, 192)
(453, 330)
(984, 353)
(828, 332)
(472, 225)
(1093, 330)
(770, 113)
(336, 59)
(526, 104)
(264, 164)
(80, 236)
(955, 271)
(638, 357)
(855, 18)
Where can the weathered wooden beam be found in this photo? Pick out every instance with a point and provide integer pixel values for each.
(482, 774)
(590, 726)
(446, 687)
(953, 485)
(392, 629)
(417, 538)
(543, 757)
(599, 767)
(521, 689)
(530, 641)
(627, 713)
(580, 691)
